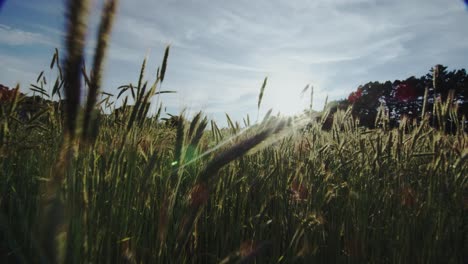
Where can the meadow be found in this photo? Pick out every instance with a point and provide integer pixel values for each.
(82, 185)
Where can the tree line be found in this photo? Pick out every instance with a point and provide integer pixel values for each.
(438, 94)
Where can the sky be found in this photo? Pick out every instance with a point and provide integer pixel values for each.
(222, 50)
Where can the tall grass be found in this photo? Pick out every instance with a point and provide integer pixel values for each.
(279, 191)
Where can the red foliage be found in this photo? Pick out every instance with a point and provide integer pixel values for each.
(299, 191)
(199, 195)
(354, 96)
(408, 197)
(405, 92)
(247, 248)
(6, 95)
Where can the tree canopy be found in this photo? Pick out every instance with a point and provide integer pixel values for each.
(402, 98)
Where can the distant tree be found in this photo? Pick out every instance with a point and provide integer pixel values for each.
(406, 98)
(366, 101)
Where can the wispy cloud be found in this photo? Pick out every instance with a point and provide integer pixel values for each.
(221, 51)
(17, 37)
(22, 70)
(333, 44)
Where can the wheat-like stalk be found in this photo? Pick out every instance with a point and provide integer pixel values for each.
(107, 18)
(77, 16)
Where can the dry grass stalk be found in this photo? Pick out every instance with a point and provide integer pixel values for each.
(107, 18)
(77, 15)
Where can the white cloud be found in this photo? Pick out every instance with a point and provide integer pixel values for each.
(17, 37)
(14, 70)
(222, 50)
(293, 42)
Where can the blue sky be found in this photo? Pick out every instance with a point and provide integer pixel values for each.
(222, 50)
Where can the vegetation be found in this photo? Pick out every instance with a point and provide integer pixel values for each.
(413, 98)
(82, 186)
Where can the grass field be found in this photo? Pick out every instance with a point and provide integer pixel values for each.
(80, 186)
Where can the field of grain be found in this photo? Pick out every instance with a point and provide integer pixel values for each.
(79, 185)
